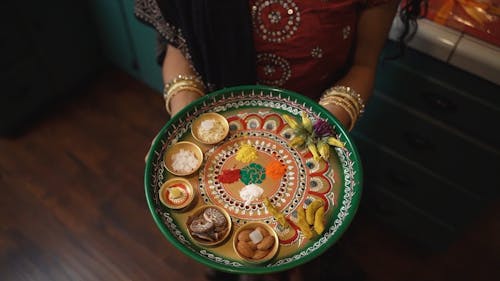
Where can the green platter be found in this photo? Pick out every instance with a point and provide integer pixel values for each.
(255, 115)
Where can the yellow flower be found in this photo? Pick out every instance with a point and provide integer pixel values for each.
(324, 150)
(314, 151)
(306, 122)
(291, 122)
(297, 141)
(335, 142)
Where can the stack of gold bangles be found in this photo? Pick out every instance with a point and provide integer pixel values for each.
(347, 99)
(182, 83)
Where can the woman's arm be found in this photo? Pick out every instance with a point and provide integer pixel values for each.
(176, 64)
(373, 27)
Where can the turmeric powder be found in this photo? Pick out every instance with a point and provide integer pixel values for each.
(246, 153)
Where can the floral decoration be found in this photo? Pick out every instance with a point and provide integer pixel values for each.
(317, 137)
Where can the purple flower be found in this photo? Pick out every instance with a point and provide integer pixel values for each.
(321, 128)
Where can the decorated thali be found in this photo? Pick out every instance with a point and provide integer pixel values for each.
(259, 173)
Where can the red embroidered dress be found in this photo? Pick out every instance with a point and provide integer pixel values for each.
(304, 45)
(301, 45)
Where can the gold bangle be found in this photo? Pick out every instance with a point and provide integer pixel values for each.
(345, 105)
(351, 99)
(351, 92)
(347, 102)
(183, 83)
(186, 87)
(194, 79)
(180, 83)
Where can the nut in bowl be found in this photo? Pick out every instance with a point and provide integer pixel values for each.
(256, 242)
(209, 225)
(176, 193)
(183, 158)
(210, 128)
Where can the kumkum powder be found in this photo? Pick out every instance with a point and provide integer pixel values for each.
(275, 170)
(229, 176)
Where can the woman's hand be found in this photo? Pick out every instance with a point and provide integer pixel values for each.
(181, 100)
(340, 114)
(373, 27)
(176, 64)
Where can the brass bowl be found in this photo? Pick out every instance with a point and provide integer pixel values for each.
(176, 193)
(196, 237)
(256, 256)
(182, 147)
(212, 135)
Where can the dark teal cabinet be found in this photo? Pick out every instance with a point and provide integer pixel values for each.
(126, 42)
(49, 50)
(429, 147)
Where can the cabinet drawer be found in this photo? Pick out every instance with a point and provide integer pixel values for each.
(464, 111)
(420, 187)
(436, 147)
(409, 221)
(463, 82)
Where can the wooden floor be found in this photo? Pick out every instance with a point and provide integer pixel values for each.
(72, 205)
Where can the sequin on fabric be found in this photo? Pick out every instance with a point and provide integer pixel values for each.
(275, 20)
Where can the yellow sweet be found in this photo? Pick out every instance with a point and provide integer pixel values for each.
(319, 224)
(175, 193)
(302, 223)
(311, 210)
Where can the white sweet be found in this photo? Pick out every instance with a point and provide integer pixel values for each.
(256, 236)
(184, 161)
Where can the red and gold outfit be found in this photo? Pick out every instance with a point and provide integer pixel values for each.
(304, 45)
(300, 45)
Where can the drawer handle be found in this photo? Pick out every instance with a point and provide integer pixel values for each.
(438, 102)
(417, 141)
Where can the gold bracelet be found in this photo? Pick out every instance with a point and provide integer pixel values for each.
(179, 88)
(351, 92)
(180, 83)
(194, 79)
(351, 99)
(345, 105)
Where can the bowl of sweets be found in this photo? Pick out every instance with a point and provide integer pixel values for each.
(210, 128)
(255, 242)
(183, 158)
(209, 225)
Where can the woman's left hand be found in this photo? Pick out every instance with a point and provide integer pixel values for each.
(340, 114)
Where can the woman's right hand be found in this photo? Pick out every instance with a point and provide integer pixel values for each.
(181, 100)
(177, 103)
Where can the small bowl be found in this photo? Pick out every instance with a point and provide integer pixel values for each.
(182, 147)
(211, 135)
(253, 254)
(199, 213)
(176, 193)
